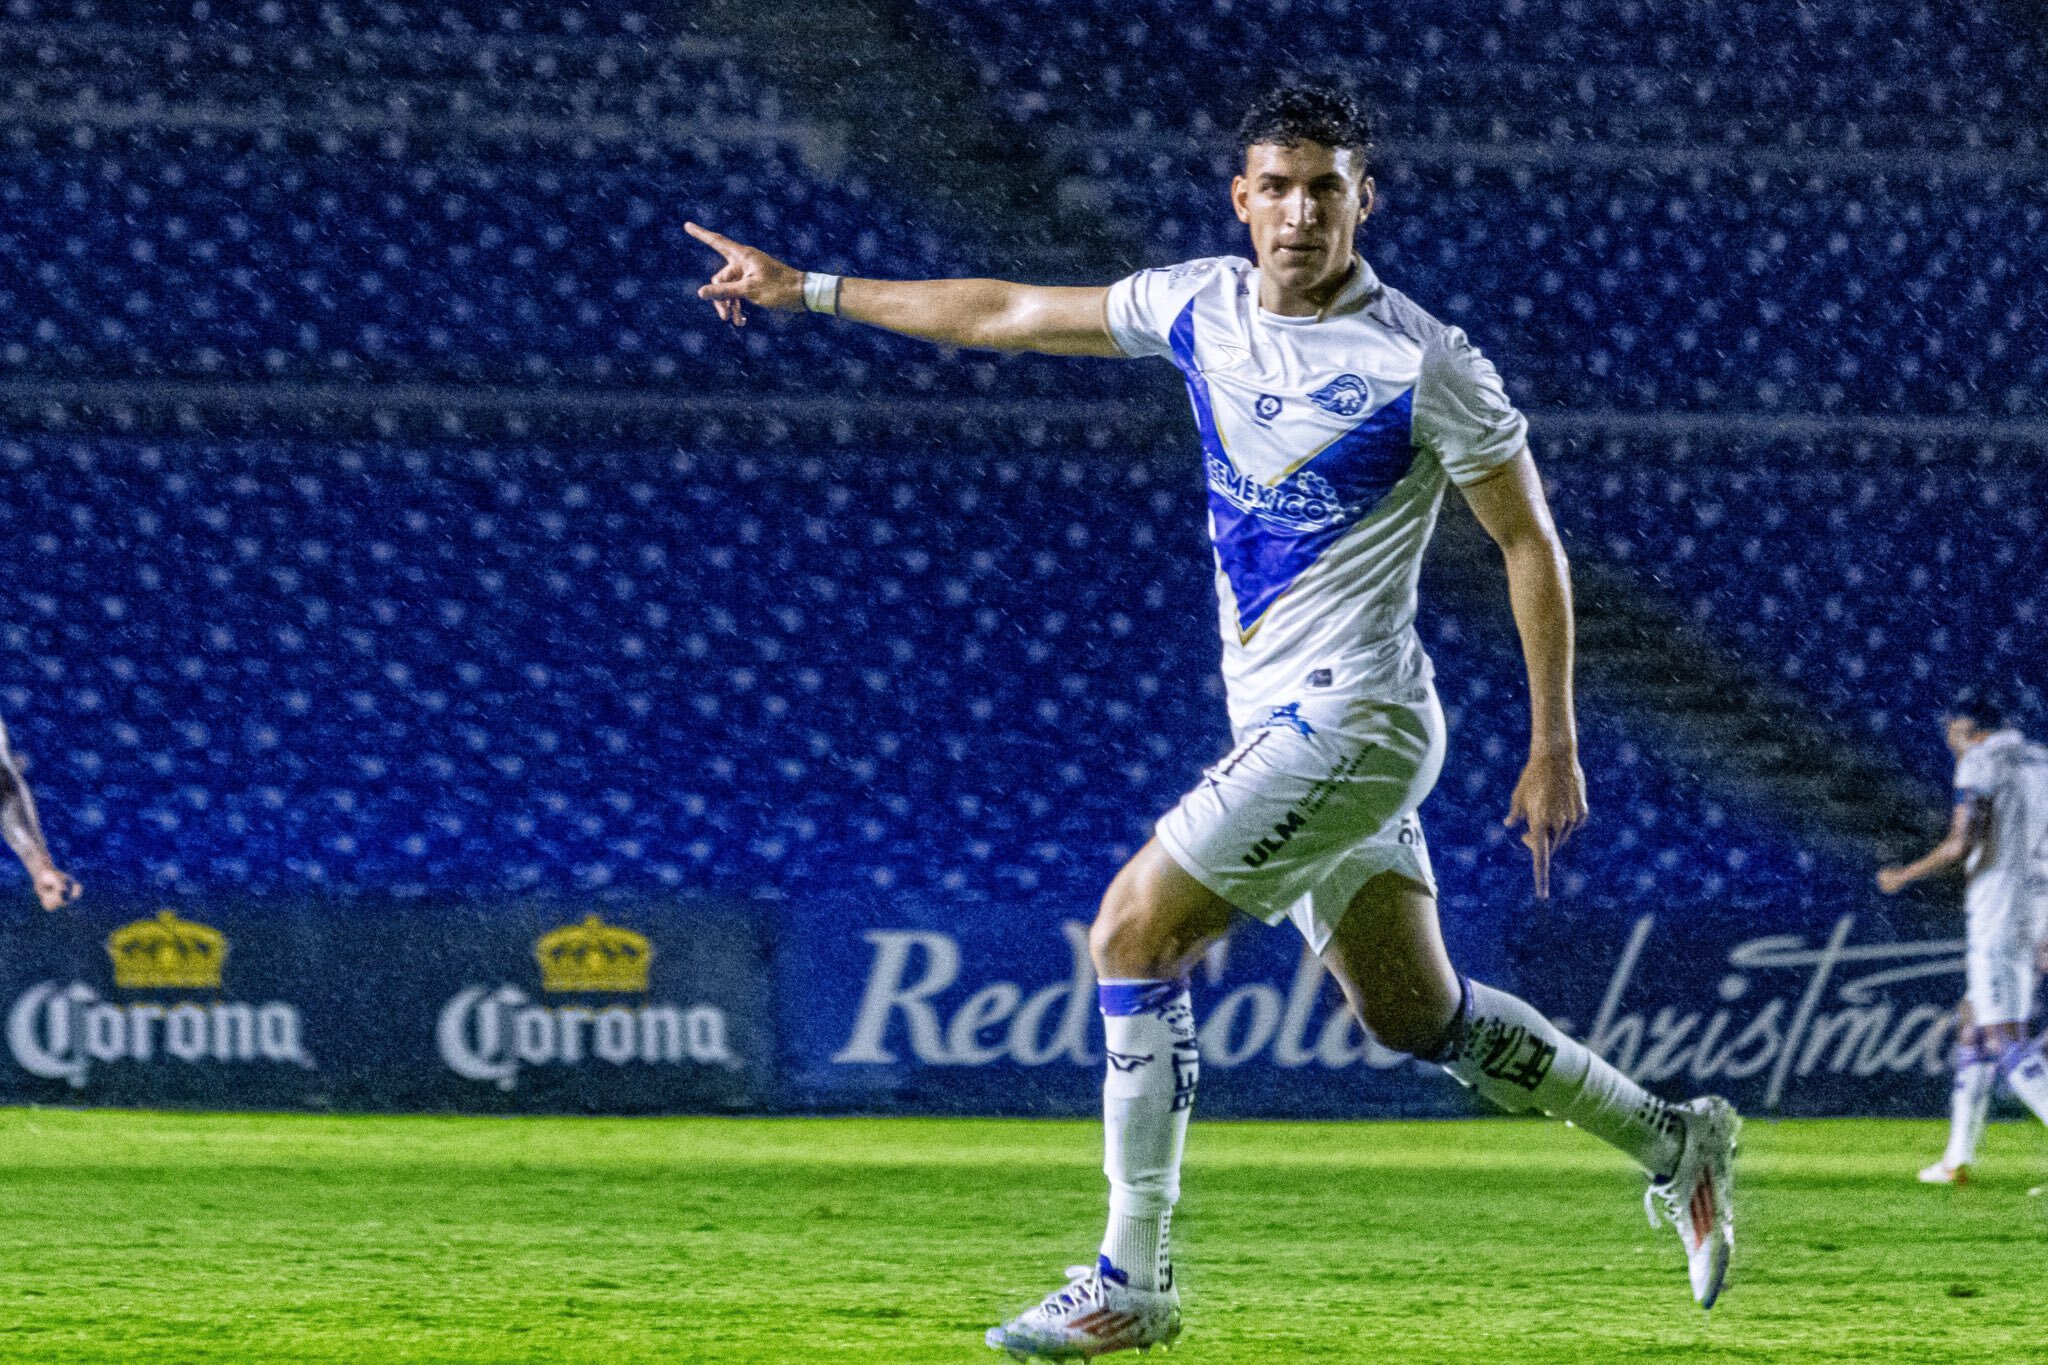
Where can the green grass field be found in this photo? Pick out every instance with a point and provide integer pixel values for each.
(170, 1237)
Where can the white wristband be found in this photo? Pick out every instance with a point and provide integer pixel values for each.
(821, 293)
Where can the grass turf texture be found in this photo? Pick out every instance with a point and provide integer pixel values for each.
(133, 1236)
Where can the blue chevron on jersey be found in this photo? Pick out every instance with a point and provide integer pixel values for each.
(1266, 537)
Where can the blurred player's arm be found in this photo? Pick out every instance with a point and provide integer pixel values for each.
(24, 833)
(988, 315)
(1550, 798)
(1966, 824)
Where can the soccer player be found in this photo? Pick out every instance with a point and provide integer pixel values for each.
(24, 833)
(1332, 411)
(1998, 833)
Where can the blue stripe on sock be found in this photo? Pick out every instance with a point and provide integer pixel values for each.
(1120, 999)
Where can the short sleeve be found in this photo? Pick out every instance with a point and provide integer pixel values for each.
(1462, 413)
(1142, 307)
(1973, 775)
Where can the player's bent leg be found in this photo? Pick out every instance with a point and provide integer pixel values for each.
(2021, 1063)
(1155, 920)
(1388, 956)
(2001, 999)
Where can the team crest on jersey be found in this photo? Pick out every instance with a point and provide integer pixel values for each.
(1267, 408)
(1344, 396)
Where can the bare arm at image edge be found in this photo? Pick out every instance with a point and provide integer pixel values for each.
(24, 833)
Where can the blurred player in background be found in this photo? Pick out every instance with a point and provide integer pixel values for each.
(1332, 412)
(1998, 832)
(24, 833)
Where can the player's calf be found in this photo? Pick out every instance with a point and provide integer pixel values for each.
(1505, 1048)
(1969, 1103)
(2025, 1070)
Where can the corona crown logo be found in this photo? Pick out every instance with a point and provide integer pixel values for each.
(593, 956)
(167, 953)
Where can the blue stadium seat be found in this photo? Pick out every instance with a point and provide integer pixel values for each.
(391, 669)
(1878, 583)
(350, 269)
(1155, 62)
(1669, 292)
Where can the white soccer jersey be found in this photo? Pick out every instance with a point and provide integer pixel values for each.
(2012, 774)
(1327, 442)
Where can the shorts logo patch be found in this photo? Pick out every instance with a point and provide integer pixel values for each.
(1272, 843)
(1267, 408)
(1319, 678)
(1344, 396)
(1289, 717)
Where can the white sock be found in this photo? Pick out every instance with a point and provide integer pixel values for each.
(1507, 1051)
(1148, 1091)
(1968, 1103)
(2027, 1073)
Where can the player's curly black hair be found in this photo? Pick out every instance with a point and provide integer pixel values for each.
(1298, 111)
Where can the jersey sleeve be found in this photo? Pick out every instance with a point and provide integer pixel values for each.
(1462, 412)
(1973, 775)
(1142, 307)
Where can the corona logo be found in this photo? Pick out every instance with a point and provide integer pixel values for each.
(167, 953)
(488, 1033)
(61, 1030)
(593, 956)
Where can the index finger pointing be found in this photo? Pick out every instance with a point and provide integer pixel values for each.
(1539, 853)
(724, 246)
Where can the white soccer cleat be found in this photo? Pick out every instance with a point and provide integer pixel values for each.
(1941, 1173)
(1699, 1198)
(1092, 1316)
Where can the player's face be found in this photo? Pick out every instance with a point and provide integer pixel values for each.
(1961, 731)
(1303, 204)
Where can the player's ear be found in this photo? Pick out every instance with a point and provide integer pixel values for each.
(1240, 197)
(1365, 199)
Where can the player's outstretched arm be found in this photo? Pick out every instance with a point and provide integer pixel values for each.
(24, 833)
(1965, 826)
(988, 315)
(1550, 799)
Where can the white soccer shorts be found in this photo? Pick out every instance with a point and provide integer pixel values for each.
(1314, 799)
(2005, 927)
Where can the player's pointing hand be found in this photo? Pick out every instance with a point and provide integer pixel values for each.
(1550, 802)
(748, 276)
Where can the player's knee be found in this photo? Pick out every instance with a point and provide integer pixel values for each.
(1125, 940)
